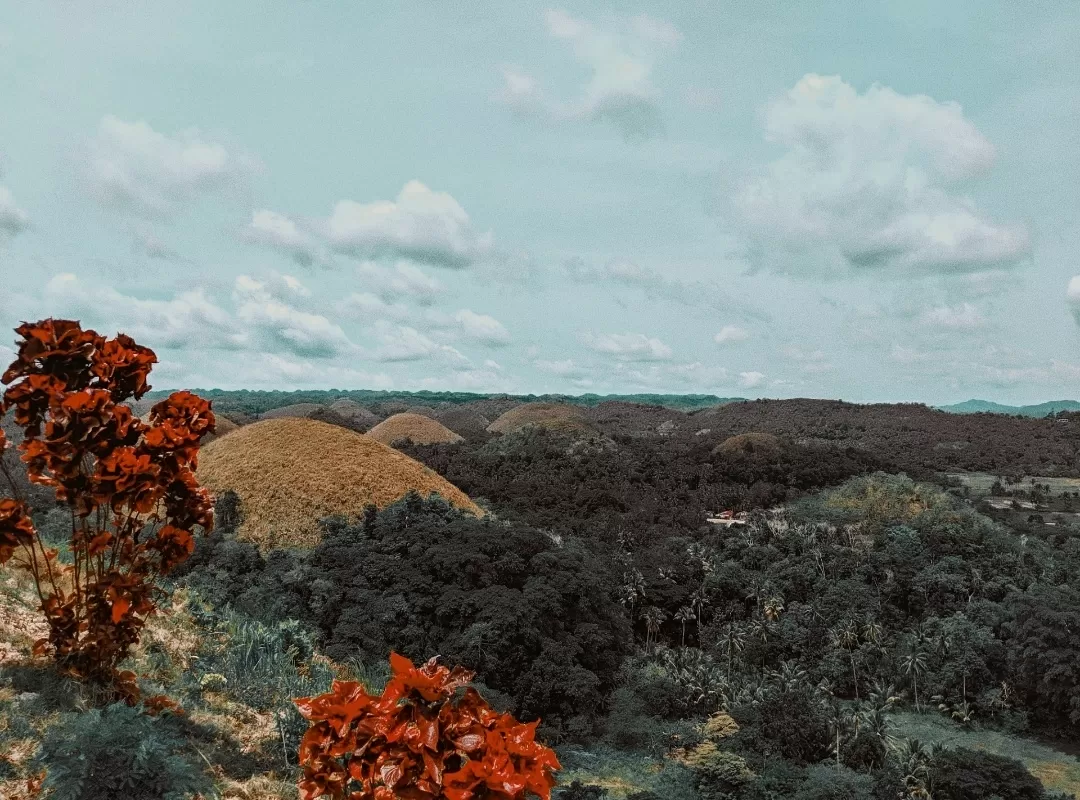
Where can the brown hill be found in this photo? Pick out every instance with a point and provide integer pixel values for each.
(415, 428)
(561, 417)
(291, 472)
(355, 415)
(294, 410)
(223, 426)
(463, 420)
(744, 443)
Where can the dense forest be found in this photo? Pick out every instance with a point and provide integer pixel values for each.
(797, 652)
(756, 653)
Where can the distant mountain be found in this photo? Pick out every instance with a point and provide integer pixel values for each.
(987, 406)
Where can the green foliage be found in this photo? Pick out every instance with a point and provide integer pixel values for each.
(580, 791)
(118, 752)
(264, 666)
(832, 783)
(791, 724)
(962, 774)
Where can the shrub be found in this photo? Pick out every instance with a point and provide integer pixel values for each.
(535, 620)
(829, 783)
(263, 666)
(963, 774)
(130, 488)
(417, 740)
(118, 751)
(581, 791)
(790, 724)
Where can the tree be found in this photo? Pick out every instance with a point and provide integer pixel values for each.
(913, 663)
(846, 637)
(684, 615)
(418, 740)
(962, 774)
(732, 641)
(653, 618)
(130, 488)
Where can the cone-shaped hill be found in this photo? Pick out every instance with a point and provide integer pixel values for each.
(291, 472)
(560, 417)
(357, 417)
(415, 428)
(746, 443)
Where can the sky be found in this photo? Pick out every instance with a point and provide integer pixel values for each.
(869, 201)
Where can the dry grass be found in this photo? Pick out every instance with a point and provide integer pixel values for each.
(295, 410)
(561, 417)
(415, 428)
(748, 443)
(291, 472)
(352, 410)
(465, 421)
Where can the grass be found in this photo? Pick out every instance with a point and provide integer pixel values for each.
(980, 482)
(623, 774)
(1058, 771)
(560, 417)
(416, 428)
(290, 473)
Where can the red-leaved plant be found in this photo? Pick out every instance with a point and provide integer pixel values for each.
(130, 487)
(418, 741)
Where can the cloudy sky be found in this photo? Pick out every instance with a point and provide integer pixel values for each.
(869, 201)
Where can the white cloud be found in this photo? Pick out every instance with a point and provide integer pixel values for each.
(566, 368)
(420, 225)
(961, 317)
(405, 343)
(653, 284)
(731, 334)
(870, 181)
(906, 355)
(627, 346)
(810, 361)
(279, 232)
(263, 307)
(403, 281)
(620, 90)
(136, 168)
(482, 328)
(147, 243)
(13, 220)
(1072, 294)
(188, 320)
(751, 380)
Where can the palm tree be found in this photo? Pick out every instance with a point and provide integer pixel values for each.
(698, 602)
(732, 641)
(633, 587)
(846, 637)
(773, 607)
(913, 757)
(684, 615)
(653, 618)
(914, 664)
(760, 628)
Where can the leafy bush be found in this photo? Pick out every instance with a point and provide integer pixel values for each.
(536, 620)
(129, 486)
(962, 774)
(419, 739)
(832, 783)
(790, 724)
(118, 752)
(580, 791)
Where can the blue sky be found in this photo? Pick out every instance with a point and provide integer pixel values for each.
(875, 202)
